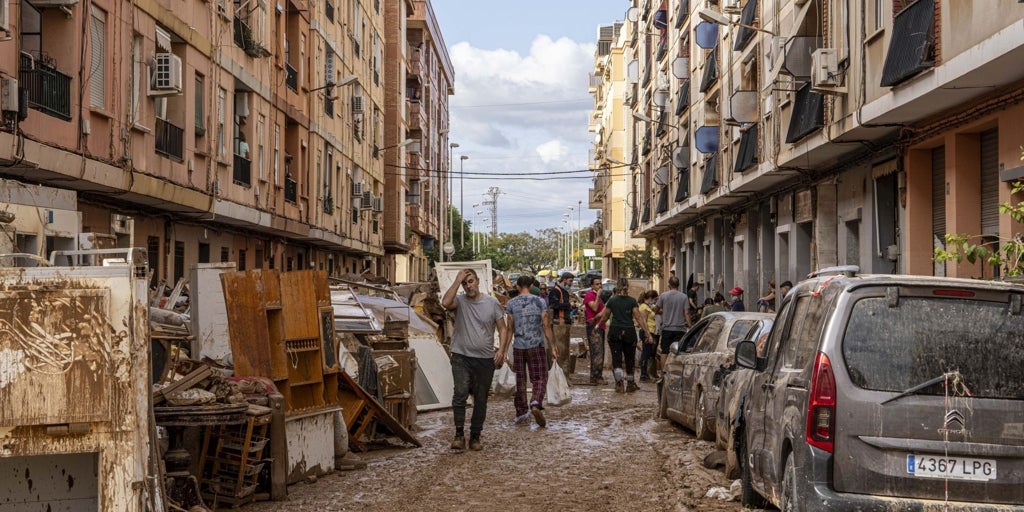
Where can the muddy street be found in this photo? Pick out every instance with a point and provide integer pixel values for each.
(603, 451)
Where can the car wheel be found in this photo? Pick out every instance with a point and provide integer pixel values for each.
(663, 402)
(788, 501)
(700, 424)
(749, 498)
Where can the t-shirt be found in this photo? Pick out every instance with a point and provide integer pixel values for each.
(589, 297)
(527, 320)
(475, 320)
(646, 309)
(622, 310)
(738, 305)
(558, 302)
(673, 310)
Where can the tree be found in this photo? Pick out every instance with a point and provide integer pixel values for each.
(519, 251)
(1006, 254)
(463, 252)
(638, 263)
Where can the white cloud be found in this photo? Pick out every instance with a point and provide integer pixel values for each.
(552, 150)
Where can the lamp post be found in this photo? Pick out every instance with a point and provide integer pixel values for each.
(462, 204)
(448, 203)
(472, 231)
(579, 232)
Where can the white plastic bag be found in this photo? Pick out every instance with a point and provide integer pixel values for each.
(558, 388)
(505, 380)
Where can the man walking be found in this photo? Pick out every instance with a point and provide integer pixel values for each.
(527, 318)
(473, 357)
(560, 306)
(672, 305)
(592, 306)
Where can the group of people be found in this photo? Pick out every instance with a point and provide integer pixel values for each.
(531, 317)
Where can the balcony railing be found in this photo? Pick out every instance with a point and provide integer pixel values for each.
(242, 171)
(291, 78)
(169, 139)
(246, 40)
(47, 89)
(291, 190)
(329, 107)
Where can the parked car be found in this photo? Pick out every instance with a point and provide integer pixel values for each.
(890, 392)
(693, 370)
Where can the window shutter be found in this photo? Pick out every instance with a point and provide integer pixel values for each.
(990, 182)
(939, 193)
(97, 76)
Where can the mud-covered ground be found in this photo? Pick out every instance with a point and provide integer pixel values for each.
(605, 451)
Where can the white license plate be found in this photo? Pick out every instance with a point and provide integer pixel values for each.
(955, 468)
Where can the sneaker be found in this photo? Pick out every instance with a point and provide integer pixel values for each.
(459, 443)
(475, 444)
(631, 386)
(523, 419)
(620, 386)
(598, 381)
(538, 415)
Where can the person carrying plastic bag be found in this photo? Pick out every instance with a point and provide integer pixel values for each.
(527, 318)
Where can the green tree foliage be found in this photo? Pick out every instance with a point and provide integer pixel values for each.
(638, 263)
(1006, 254)
(519, 251)
(463, 252)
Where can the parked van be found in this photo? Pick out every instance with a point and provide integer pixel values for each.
(887, 393)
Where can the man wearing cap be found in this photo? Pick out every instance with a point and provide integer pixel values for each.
(737, 298)
(560, 306)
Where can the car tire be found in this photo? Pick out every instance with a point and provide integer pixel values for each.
(787, 501)
(700, 415)
(662, 402)
(749, 498)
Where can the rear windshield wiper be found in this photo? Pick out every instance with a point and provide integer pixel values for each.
(955, 374)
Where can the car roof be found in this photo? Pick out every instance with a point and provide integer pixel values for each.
(847, 281)
(742, 315)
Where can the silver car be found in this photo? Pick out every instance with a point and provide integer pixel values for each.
(887, 393)
(689, 386)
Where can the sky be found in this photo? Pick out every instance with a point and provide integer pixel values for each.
(521, 106)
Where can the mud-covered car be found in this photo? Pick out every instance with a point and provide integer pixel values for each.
(887, 392)
(689, 387)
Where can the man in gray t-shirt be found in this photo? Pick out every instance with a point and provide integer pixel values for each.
(672, 306)
(473, 357)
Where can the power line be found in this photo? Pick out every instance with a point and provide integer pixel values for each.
(522, 104)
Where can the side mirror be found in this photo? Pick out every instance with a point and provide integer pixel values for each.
(746, 355)
(674, 348)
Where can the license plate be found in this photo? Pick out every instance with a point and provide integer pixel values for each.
(954, 468)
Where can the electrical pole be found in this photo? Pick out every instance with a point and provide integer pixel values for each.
(493, 192)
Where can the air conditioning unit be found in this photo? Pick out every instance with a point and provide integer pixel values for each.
(378, 204)
(825, 68)
(357, 104)
(119, 224)
(166, 75)
(357, 189)
(5, 17)
(366, 202)
(8, 94)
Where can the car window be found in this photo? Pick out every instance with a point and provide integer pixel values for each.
(780, 331)
(709, 338)
(741, 330)
(809, 322)
(894, 348)
(690, 338)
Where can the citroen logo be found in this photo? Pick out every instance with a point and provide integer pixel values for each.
(954, 423)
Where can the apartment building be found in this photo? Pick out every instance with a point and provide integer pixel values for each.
(240, 131)
(420, 78)
(777, 137)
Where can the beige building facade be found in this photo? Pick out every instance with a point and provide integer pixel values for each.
(778, 137)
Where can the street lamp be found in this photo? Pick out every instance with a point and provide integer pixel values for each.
(718, 18)
(462, 204)
(579, 231)
(473, 227)
(448, 203)
(329, 85)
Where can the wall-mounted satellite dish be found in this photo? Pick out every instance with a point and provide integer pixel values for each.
(681, 156)
(707, 35)
(706, 138)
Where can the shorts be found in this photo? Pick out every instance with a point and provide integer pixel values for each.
(668, 338)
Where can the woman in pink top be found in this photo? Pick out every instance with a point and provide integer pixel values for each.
(595, 333)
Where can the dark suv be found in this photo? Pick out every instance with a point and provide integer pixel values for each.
(887, 393)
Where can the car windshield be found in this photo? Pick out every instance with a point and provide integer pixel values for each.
(896, 348)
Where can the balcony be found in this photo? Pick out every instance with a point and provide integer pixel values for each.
(416, 63)
(291, 78)
(415, 115)
(242, 171)
(169, 139)
(246, 40)
(412, 218)
(46, 89)
(596, 199)
(291, 190)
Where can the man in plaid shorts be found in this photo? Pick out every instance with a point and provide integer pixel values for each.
(527, 317)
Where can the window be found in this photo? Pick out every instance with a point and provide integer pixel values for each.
(260, 148)
(225, 254)
(879, 13)
(222, 95)
(277, 154)
(241, 259)
(709, 338)
(97, 59)
(133, 113)
(200, 111)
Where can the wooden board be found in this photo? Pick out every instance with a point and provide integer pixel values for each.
(361, 411)
(298, 301)
(247, 323)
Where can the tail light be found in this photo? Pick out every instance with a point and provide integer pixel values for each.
(821, 407)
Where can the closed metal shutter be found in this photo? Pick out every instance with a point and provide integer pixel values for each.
(97, 74)
(939, 192)
(990, 182)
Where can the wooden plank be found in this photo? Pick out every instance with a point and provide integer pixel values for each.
(247, 323)
(360, 410)
(271, 280)
(298, 302)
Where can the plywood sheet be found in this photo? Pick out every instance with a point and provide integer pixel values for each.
(298, 301)
(247, 323)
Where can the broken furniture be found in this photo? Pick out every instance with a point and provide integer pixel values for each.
(232, 458)
(363, 412)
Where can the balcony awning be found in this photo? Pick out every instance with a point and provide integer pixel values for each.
(633, 221)
(662, 123)
(912, 48)
(684, 11)
(808, 114)
(661, 19)
(744, 34)
(683, 185)
(710, 181)
(710, 72)
(662, 200)
(646, 217)
(747, 155)
(684, 98)
(706, 139)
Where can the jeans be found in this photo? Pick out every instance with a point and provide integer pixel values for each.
(648, 354)
(595, 338)
(622, 341)
(561, 343)
(471, 374)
